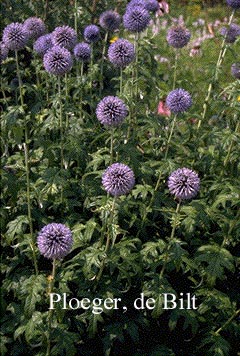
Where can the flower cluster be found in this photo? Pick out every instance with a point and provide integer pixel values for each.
(121, 53)
(118, 179)
(64, 36)
(152, 5)
(235, 70)
(82, 52)
(111, 111)
(91, 33)
(136, 19)
(179, 100)
(235, 4)
(15, 36)
(110, 20)
(184, 183)
(55, 241)
(43, 44)
(35, 27)
(231, 33)
(178, 36)
(57, 60)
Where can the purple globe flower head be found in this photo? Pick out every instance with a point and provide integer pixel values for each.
(55, 241)
(43, 44)
(178, 36)
(118, 179)
(136, 19)
(64, 36)
(91, 33)
(3, 51)
(152, 5)
(235, 4)
(82, 52)
(179, 100)
(57, 60)
(121, 53)
(35, 27)
(184, 183)
(111, 111)
(110, 20)
(231, 33)
(15, 36)
(134, 3)
(235, 70)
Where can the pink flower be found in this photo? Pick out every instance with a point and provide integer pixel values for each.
(163, 109)
(163, 8)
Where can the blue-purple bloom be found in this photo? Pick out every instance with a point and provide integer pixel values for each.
(35, 27)
(136, 19)
(235, 70)
(184, 183)
(55, 241)
(152, 5)
(57, 60)
(64, 36)
(91, 33)
(118, 179)
(15, 36)
(235, 4)
(82, 52)
(121, 53)
(231, 33)
(179, 100)
(110, 20)
(111, 111)
(43, 44)
(3, 51)
(178, 36)
(134, 3)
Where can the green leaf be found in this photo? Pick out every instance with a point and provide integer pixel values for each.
(15, 227)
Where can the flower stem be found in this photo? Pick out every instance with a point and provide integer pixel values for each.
(216, 73)
(76, 15)
(27, 169)
(227, 322)
(81, 90)
(50, 313)
(61, 132)
(231, 144)
(102, 62)
(175, 68)
(170, 136)
(121, 82)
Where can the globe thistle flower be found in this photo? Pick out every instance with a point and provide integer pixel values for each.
(91, 33)
(178, 36)
(184, 183)
(118, 179)
(152, 5)
(35, 27)
(55, 241)
(3, 52)
(235, 70)
(179, 100)
(134, 3)
(136, 19)
(111, 111)
(15, 36)
(82, 52)
(57, 60)
(110, 20)
(43, 44)
(64, 36)
(230, 33)
(121, 53)
(235, 4)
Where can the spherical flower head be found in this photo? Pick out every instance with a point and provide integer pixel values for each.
(57, 60)
(178, 36)
(179, 100)
(152, 5)
(35, 27)
(91, 33)
(118, 179)
(134, 3)
(15, 36)
(231, 33)
(235, 4)
(64, 36)
(111, 111)
(184, 183)
(121, 53)
(136, 19)
(82, 52)
(110, 20)
(43, 44)
(235, 70)
(3, 51)
(55, 241)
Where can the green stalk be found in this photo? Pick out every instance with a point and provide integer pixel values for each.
(121, 82)
(231, 144)
(175, 68)
(216, 74)
(75, 15)
(61, 133)
(102, 62)
(27, 169)
(50, 313)
(81, 90)
(227, 322)
(170, 136)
